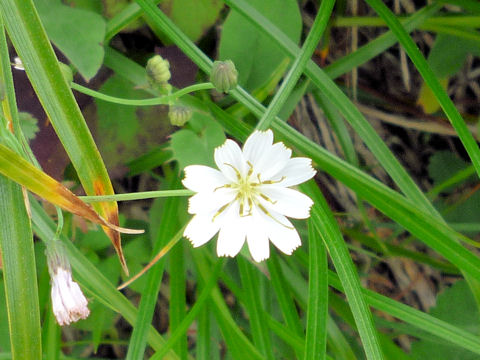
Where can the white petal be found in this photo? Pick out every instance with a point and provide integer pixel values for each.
(201, 229)
(210, 202)
(232, 234)
(257, 239)
(229, 157)
(297, 171)
(267, 159)
(285, 201)
(281, 232)
(257, 144)
(203, 178)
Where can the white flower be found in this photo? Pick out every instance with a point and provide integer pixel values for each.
(249, 198)
(68, 302)
(17, 63)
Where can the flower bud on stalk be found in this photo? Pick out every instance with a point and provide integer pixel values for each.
(224, 76)
(179, 115)
(68, 302)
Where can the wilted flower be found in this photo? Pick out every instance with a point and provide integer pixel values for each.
(68, 302)
(249, 198)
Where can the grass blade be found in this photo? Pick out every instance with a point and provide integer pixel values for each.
(19, 273)
(317, 310)
(327, 227)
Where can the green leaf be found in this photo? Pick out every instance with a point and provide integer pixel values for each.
(442, 165)
(125, 132)
(77, 33)
(456, 305)
(29, 125)
(254, 54)
(192, 16)
(196, 147)
(448, 54)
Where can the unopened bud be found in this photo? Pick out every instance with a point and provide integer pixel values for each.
(158, 71)
(179, 115)
(66, 72)
(224, 76)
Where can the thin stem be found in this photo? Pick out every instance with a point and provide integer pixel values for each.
(462, 21)
(137, 195)
(162, 100)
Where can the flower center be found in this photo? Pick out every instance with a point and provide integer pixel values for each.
(248, 193)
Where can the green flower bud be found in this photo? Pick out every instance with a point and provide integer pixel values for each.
(66, 72)
(224, 75)
(158, 71)
(179, 115)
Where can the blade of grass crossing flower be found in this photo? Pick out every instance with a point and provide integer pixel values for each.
(254, 306)
(285, 299)
(351, 113)
(19, 273)
(200, 304)
(387, 201)
(353, 178)
(317, 309)
(311, 42)
(32, 45)
(92, 279)
(327, 227)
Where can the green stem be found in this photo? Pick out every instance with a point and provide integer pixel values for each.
(138, 195)
(163, 100)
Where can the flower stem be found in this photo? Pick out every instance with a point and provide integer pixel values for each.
(143, 102)
(138, 195)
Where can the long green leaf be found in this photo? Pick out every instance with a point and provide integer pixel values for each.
(256, 314)
(31, 43)
(19, 273)
(317, 310)
(327, 227)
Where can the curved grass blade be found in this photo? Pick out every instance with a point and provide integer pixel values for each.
(21, 171)
(32, 45)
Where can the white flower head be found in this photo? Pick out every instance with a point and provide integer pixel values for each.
(17, 63)
(249, 198)
(68, 302)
